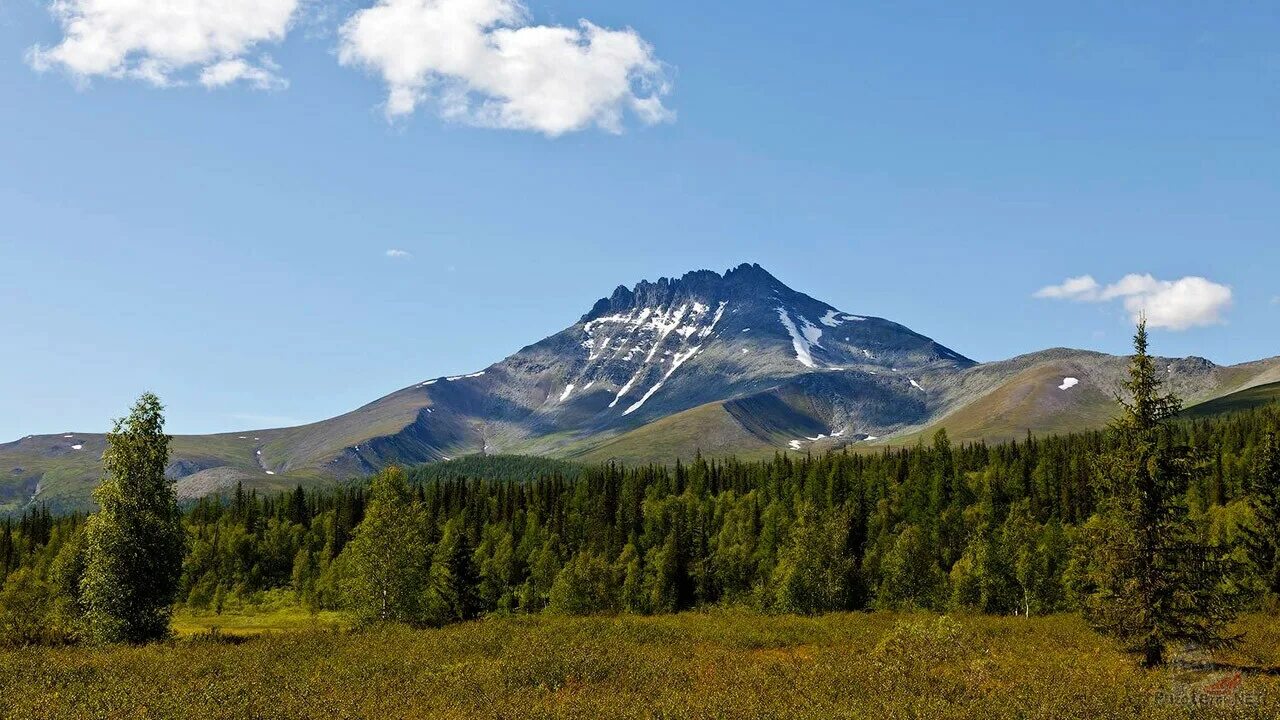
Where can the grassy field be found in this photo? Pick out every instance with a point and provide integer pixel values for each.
(696, 665)
(292, 619)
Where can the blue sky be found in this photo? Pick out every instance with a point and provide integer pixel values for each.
(224, 243)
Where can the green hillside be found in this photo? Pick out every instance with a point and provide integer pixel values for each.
(710, 429)
(1246, 399)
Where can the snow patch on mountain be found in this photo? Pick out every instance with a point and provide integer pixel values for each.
(803, 339)
(624, 389)
(676, 362)
(456, 378)
(706, 331)
(1068, 383)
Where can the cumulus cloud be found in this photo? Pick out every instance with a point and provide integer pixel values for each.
(156, 40)
(398, 254)
(1173, 304)
(481, 62)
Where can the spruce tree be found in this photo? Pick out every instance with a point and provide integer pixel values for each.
(1152, 584)
(454, 577)
(1262, 540)
(134, 543)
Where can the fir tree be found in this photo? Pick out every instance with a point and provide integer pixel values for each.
(454, 577)
(1262, 540)
(1158, 585)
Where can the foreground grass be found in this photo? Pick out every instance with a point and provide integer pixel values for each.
(712, 665)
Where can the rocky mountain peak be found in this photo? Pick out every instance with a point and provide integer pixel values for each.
(706, 286)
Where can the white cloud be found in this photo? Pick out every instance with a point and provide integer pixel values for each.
(1077, 288)
(227, 72)
(480, 62)
(155, 40)
(1174, 304)
(399, 254)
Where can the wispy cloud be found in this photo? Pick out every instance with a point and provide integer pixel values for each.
(1077, 288)
(1173, 304)
(398, 254)
(482, 63)
(262, 77)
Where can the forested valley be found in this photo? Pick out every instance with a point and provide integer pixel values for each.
(1004, 529)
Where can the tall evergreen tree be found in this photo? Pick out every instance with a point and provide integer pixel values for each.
(454, 577)
(1262, 540)
(1160, 586)
(134, 543)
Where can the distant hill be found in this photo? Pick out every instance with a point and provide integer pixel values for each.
(733, 363)
(1247, 399)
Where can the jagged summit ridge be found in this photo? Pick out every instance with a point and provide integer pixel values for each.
(746, 278)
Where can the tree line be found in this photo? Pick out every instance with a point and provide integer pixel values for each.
(1156, 529)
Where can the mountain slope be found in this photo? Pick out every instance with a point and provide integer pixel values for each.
(1246, 399)
(737, 363)
(1063, 390)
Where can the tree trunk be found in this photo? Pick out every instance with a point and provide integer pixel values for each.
(1152, 654)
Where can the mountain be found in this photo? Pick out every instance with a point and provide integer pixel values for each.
(722, 363)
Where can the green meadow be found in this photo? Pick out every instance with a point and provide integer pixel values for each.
(714, 664)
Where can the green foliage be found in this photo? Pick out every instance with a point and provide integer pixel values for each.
(454, 578)
(586, 585)
(909, 574)
(1262, 537)
(814, 573)
(1152, 583)
(495, 467)
(387, 557)
(24, 610)
(134, 543)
